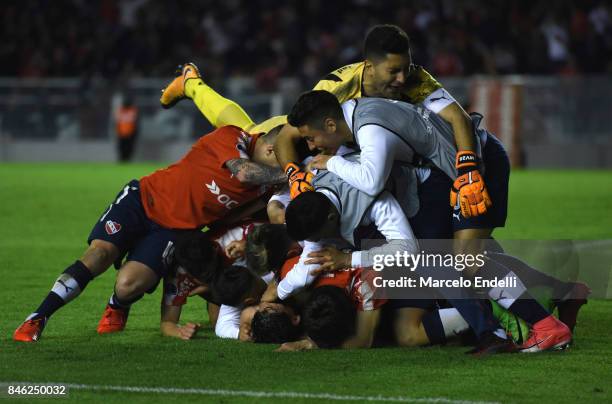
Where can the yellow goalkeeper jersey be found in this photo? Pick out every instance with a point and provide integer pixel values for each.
(347, 83)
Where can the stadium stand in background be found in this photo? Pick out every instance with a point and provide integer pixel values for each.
(540, 71)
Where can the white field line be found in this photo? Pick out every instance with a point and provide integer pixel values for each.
(254, 394)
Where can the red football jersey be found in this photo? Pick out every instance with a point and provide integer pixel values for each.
(357, 283)
(199, 189)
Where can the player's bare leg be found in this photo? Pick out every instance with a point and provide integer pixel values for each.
(133, 281)
(98, 257)
(408, 327)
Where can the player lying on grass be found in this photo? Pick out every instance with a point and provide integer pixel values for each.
(225, 169)
(193, 262)
(416, 321)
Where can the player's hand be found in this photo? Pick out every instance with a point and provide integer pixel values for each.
(236, 249)
(319, 162)
(330, 259)
(198, 290)
(301, 345)
(469, 191)
(299, 180)
(189, 330)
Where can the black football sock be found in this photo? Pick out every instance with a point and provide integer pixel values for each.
(527, 308)
(434, 328)
(442, 324)
(531, 277)
(513, 296)
(69, 285)
(122, 304)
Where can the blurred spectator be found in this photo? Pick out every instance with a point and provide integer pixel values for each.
(126, 121)
(268, 39)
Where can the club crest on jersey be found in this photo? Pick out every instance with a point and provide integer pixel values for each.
(112, 227)
(242, 144)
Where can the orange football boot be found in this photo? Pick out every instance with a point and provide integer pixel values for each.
(175, 91)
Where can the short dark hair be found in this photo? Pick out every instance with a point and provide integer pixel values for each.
(313, 107)
(272, 134)
(329, 317)
(196, 254)
(383, 39)
(273, 328)
(266, 248)
(306, 214)
(232, 284)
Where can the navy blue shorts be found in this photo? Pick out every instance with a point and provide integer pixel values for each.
(496, 178)
(432, 220)
(125, 224)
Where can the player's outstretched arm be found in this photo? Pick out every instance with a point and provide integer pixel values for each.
(169, 326)
(250, 172)
(367, 322)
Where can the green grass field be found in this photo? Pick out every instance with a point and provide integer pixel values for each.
(47, 210)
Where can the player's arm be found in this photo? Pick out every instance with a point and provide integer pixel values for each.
(250, 172)
(277, 205)
(469, 189)
(301, 275)
(365, 328)
(276, 212)
(170, 327)
(390, 220)
(370, 174)
(228, 322)
(462, 126)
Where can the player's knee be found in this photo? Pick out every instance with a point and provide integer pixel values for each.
(409, 337)
(128, 287)
(99, 256)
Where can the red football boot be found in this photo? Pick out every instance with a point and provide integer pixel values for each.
(113, 320)
(548, 333)
(30, 330)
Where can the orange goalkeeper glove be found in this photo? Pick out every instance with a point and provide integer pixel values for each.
(469, 190)
(299, 181)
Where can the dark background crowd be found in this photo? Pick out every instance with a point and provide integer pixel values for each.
(268, 39)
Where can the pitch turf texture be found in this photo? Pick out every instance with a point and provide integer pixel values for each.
(47, 210)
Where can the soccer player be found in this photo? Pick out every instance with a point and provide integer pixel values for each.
(388, 131)
(224, 170)
(193, 262)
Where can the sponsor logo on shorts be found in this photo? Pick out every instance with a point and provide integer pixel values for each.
(112, 227)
